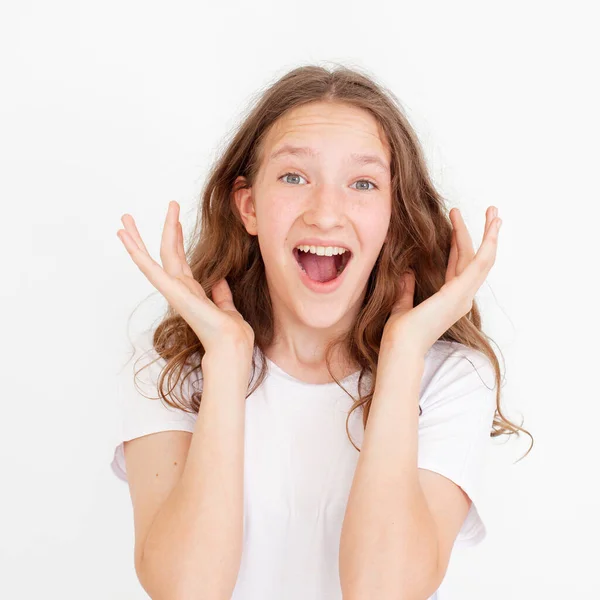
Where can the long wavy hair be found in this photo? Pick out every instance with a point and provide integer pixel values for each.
(419, 237)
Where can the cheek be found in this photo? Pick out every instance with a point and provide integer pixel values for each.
(373, 228)
(277, 218)
(273, 231)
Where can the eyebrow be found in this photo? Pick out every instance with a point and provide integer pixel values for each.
(361, 159)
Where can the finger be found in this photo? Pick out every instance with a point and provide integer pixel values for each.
(463, 242)
(407, 294)
(131, 228)
(476, 272)
(169, 255)
(490, 215)
(222, 296)
(168, 286)
(181, 251)
(191, 304)
(452, 258)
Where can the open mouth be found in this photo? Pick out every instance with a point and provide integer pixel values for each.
(322, 268)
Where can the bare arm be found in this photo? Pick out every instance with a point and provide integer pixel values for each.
(189, 519)
(190, 548)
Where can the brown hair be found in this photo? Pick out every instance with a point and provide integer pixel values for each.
(419, 237)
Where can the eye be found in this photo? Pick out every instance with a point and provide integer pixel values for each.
(367, 181)
(294, 174)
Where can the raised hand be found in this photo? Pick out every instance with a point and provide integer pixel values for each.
(217, 323)
(418, 328)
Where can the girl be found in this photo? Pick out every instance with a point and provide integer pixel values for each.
(328, 300)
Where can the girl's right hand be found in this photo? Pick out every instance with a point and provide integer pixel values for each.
(217, 323)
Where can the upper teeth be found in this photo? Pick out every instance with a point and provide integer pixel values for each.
(322, 250)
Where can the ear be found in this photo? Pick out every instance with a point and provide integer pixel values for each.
(245, 205)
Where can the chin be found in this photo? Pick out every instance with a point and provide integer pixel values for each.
(324, 315)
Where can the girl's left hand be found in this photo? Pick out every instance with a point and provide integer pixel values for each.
(417, 328)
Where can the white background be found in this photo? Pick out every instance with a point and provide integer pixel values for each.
(114, 107)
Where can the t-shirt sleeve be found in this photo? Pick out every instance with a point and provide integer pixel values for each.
(141, 410)
(458, 404)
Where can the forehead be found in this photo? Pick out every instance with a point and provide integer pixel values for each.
(322, 128)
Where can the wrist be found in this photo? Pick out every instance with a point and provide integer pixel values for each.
(230, 362)
(400, 361)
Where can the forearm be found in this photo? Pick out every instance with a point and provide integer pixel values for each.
(388, 545)
(193, 549)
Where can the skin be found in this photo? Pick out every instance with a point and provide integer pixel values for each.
(416, 329)
(330, 199)
(425, 509)
(398, 544)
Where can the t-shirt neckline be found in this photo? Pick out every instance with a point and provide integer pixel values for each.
(277, 370)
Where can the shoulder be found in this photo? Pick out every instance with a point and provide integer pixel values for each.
(458, 402)
(454, 372)
(142, 410)
(145, 365)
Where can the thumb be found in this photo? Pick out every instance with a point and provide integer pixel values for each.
(221, 295)
(407, 292)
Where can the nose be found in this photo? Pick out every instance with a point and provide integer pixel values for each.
(325, 207)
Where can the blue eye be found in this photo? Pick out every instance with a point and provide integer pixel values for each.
(363, 189)
(286, 174)
(367, 181)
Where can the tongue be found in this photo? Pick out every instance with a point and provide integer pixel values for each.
(318, 268)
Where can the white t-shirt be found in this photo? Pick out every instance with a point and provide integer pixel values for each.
(299, 462)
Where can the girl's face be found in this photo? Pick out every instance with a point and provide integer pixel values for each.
(324, 174)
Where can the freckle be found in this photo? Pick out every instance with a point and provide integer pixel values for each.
(157, 474)
(175, 463)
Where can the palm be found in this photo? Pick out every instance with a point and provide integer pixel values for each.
(215, 322)
(465, 274)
